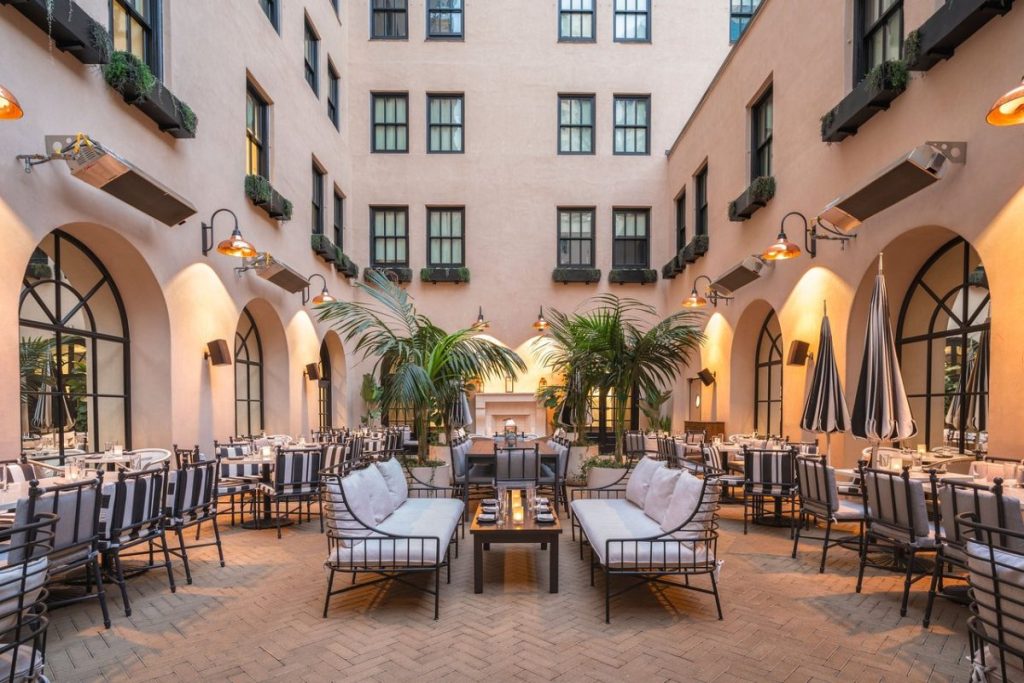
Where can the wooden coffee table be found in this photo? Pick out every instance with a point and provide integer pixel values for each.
(528, 532)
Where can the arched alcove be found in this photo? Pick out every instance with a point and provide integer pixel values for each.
(260, 328)
(744, 358)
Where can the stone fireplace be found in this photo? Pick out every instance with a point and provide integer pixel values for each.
(493, 409)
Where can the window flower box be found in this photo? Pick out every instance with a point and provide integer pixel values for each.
(872, 95)
(759, 193)
(261, 193)
(632, 276)
(69, 26)
(399, 274)
(567, 275)
(675, 266)
(435, 274)
(697, 247)
(945, 30)
(344, 265)
(324, 247)
(131, 77)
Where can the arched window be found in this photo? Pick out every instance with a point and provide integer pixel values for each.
(74, 351)
(325, 397)
(248, 377)
(942, 339)
(768, 378)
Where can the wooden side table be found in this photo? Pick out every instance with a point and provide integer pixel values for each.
(546, 535)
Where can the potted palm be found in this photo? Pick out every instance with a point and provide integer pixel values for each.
(426, 366)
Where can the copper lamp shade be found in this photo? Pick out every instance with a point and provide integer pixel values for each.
(695, 300)
(236, 245)
(323, 297)
(781, 250)
(9, 106)
(1008, 109)
(541, 325)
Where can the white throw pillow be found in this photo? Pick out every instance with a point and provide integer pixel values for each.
(685, 499)
(640, 480)
(394, 478)
(368, 496)
(663, 483)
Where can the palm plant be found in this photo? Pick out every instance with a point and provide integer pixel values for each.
(427, 366)
(34, 353)
(651, 406)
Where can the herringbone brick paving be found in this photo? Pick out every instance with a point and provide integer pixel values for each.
(258, 619)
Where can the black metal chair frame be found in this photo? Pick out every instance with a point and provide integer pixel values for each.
(184, 514)
(807, 513)
(616, 489)
(298, 497)
(234, 505)
(530, 478)
(559, 489)
(753, 495)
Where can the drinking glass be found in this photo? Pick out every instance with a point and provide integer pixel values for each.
(531, 498)
(3, 478)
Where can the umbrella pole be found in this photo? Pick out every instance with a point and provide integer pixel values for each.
(874, 452)
(828, 445)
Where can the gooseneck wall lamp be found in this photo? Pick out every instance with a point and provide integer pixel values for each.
(235, 245)
(820, 230)
(481, 322)
(782, 249)
(324, 297)
(541, 325)
(698, 300)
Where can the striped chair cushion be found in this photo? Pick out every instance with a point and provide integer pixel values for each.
(769, 473)
(235, 451)
(334, 455)
(296, 473)
(21, 471)
(241, 470)
(131, 510)
(191, 493)
(231, 487)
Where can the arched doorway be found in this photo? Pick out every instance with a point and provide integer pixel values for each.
(74, 351)
(942, 337)
(768, 378)
(248, 377)
(325, 393)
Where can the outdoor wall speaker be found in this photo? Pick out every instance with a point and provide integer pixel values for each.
(740, 275)
(911, 173)
(798, 353)
(313, 371)
(706, 377)
(218, 353)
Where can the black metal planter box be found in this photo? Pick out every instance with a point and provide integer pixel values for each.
(580, 275)
(394, 273)
(675, 266)
(950, 26)
(632, 276)
(275, 206)
(346, 267)
(167, 111)
(435, 275)
(70, 27)
(324, 248)
(856, 109)
(697, 247)
(744, 206)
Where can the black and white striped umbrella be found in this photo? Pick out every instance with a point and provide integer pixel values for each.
(881, 411)
(461, 415)
(825, 410)
(975, 389)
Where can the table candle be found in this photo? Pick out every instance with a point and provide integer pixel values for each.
(896, 464)
(921, 449)
(517, 515)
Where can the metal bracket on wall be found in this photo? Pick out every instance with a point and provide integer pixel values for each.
(955, 152)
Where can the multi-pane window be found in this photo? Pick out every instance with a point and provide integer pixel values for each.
(632, 20)
(317, 221)
(255, 134)
(881, 32)
(389, 235)
(761, 126)
(576, 124)
(630, 247)
(312, 58)
(270, 9)
(444, 123)
(740, 14)
(389, 19)
(680, 221)
(390, 122)
(700, 186)
(576, 20)
(446, 237)
(576, 238)
(444, 18)
(632, 125)
(339, 219)
(134, 25)
(333, 92)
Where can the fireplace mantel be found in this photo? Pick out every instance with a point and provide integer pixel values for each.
(493, 409)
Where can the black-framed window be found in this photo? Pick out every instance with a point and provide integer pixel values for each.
(389, 235)
(444, 124)
(74, 350)
(943, 339)
(700, 204)
(576, 237)
(270, 8)
(575, 124)
(135, 28)
(630, 246)
(339, 219)
(446, 236)
(632, 116)
(681, 221)
(325, 389)
(761, 124)
(333, 94)
(740, 14)
(768, 378)
(311, 57)
(317, 186)
(248, 377)
(879, 34)
(576, 20)
(390, 122)
(632, 21)
(389, 19)
(256, 123)
(444, 18)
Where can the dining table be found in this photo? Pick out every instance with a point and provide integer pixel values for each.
(258, 467)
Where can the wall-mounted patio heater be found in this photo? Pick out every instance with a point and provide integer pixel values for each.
(743, 273)
(278, 272)
(911, 173)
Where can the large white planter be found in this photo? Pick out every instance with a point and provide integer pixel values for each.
(577, 456)
(435, 476)
(442, 453)
(598, 477)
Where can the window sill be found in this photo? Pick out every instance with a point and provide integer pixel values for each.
(632, 276)
(399, 274)
(436, 274)
(567, 275)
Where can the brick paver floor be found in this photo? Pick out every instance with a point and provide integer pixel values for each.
(259, 618)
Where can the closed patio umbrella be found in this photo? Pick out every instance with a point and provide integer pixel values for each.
(460, 415)
(825, 410)
(881, 411)
(564, 416)
(974, 388)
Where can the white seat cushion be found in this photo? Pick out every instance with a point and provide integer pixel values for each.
(394, 478)
(604, 519)
(849, 511)
(663, 483)
(1009, 572)
(424, 517)
(640, 480)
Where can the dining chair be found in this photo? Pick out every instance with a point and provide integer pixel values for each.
(151, 458)
(553, 478)
(635, 444)
(819, 499)
(769, 474)
(296, 480)
(183, 456)
(516, 467)
(191, 501)
(236, 481)
(715, 461)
